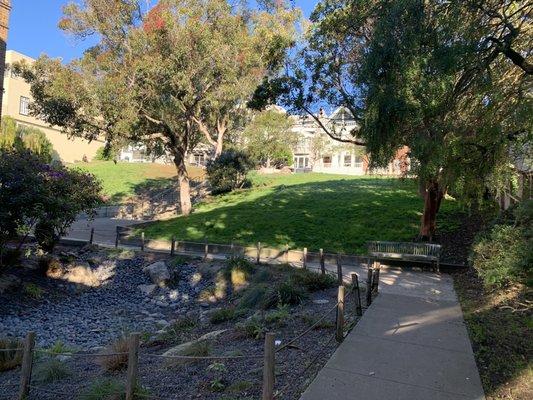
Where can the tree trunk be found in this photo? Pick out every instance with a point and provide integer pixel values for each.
(183, 180)
(220, 141)
(433, 196)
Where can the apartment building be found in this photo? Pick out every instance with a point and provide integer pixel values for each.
(16, 103)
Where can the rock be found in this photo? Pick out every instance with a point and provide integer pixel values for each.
(81, 273)
(147, 290)
(209, 269)
(185, 349)
(321, 301)
(163, 323)
(158, 273)
(9, 282)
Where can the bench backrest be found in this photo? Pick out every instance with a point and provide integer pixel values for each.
(417, 249)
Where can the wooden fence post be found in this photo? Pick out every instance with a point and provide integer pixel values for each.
(232, 249)
(322, 264)
(116, 238)
(269, 368)
(206, 248)
(357, 294)
(133, 362)
(27, 363)
(142, 241)
(339, 270)
(375, 278)
(258, 258)
(173, 246)
(305, 258)
(369, 286)
(339, 333)
(286, 254)
(91, 238)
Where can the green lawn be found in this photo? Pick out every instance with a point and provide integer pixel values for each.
(333, 212)
(122, 180)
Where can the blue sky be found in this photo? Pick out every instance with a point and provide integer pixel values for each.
(33, 29)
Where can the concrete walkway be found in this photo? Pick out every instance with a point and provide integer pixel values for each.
(410, 344)
(105, 229)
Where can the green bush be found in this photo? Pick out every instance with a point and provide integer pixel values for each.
(290, 293)
(278, 317)
(228, 171)
(251, 328)
(503, 255)
(50, 371)
(314, 281)
(223, 315)
(10, 358)
(106, 153)
(104, 389)
(253, 297)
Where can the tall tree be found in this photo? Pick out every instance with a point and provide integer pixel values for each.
(269, 138)
(164, 76)
(451, 80)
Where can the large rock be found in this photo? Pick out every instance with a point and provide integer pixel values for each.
(158, 273)
(147, 290)
(80, 272)
(187, 348)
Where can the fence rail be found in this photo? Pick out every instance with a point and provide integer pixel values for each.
(135, 357)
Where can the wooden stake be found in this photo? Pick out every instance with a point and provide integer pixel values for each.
(116, 238)
(339, 270)
(91, 238)
(142, 241)
(322, 263)
(269, 368)
(27, 363)
(304, 261)
(339, 334)
(206, 248)
(369, 286)
(173, 245)
(357, 294)
(258, 258)
(133, 362)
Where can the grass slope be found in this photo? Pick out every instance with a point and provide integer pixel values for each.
(122, 180)
(333, 212)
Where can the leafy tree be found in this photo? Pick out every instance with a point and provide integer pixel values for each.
(13, 136)
(165, 77)
(450, 80)
(268, 138)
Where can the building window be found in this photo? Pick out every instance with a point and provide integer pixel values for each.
(358, 163)
(348, 160)
(24, 108)
(326, 160)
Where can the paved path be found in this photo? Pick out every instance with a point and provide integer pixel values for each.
(104, 229)
(410, 344)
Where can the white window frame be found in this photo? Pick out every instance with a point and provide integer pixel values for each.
(347, 164)
(24, 105)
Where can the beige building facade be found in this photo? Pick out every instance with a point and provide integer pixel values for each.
(5, 10)
(17, 99)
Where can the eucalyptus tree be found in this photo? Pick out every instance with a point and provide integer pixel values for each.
(168, 76)
(449, 79)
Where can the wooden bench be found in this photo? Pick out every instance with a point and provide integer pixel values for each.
(406, 251)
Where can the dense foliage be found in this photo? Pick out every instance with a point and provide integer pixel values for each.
(42, 197)
(19, 137)
(106, 153)
(269, 140)
(228, 171)
(503, 254)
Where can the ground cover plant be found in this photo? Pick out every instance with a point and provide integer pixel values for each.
(333, 212)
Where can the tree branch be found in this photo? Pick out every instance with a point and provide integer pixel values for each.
(328, 132)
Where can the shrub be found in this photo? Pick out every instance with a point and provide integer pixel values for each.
(278, 317)
(11, 358)
(106, 153)
(290, 293)
(228, 171)
(314, 281)
(178, 330)
(251, 328)
(20, 138)
(115, 356)
(34, 291)
(223, 315)
(253, 297)
(239, 271)
(504, 253)
(104, 389)
(41, 197)
(50, 371)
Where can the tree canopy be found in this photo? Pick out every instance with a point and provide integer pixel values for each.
(167, 77)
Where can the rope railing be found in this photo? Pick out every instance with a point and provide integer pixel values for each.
(268, 355)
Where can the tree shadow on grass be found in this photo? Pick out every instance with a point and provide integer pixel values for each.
(336, 215)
